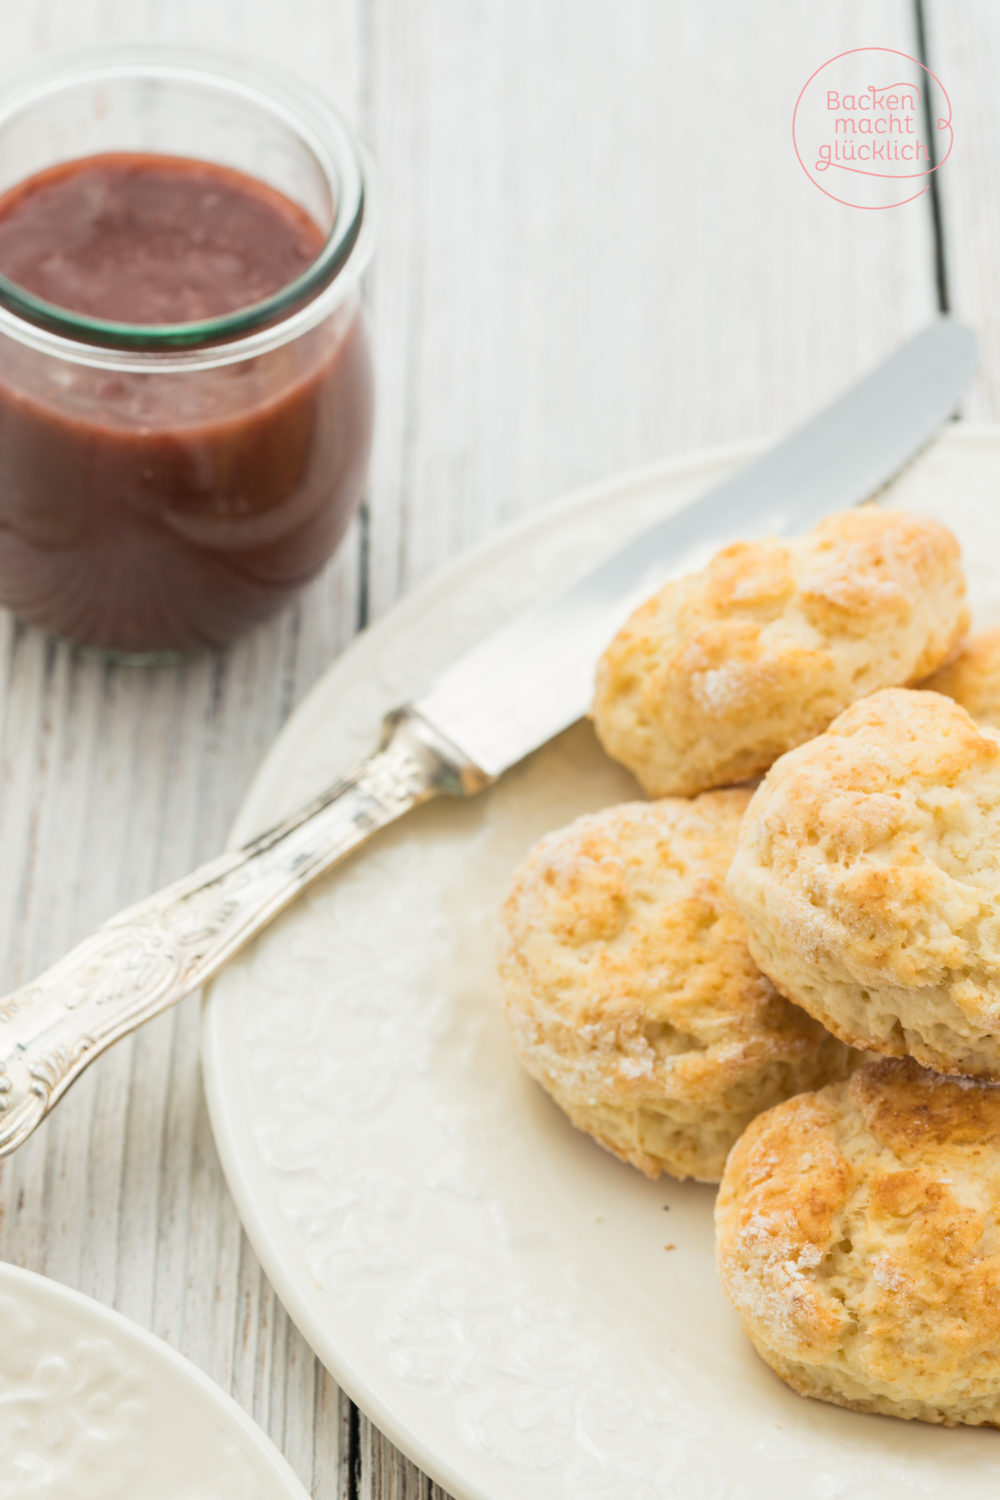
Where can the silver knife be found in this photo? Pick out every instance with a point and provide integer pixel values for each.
(495, 705)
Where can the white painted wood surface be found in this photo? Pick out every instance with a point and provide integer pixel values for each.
(964, 43)
(597, 248)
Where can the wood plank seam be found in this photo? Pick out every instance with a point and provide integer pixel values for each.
(933, 196)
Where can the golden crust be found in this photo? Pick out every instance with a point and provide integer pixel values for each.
(632, 997)
(858, 1237)
(866, 872)
(724, 670)
(973, 678)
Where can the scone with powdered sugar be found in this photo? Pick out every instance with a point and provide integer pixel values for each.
(724, 670)
(858, 1237)
(631, 994)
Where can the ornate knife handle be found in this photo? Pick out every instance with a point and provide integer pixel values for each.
(154, 953)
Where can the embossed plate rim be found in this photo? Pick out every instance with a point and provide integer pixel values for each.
(162, 1364)
(228, 1090)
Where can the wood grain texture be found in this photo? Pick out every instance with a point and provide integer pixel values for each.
(964, 50)
(600, 249)
(597, 248)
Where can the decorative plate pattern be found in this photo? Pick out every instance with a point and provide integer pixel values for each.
(516, 1309)
(91, 1408)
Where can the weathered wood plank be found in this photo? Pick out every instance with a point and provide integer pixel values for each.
(964, 50)
(600, 249)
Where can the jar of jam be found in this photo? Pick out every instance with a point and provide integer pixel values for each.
(185, 379)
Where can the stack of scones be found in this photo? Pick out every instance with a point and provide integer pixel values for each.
(795, 989)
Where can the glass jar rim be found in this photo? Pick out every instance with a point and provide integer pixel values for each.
(249, 331)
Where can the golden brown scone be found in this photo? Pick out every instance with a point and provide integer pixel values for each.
(858, 1238)
(867, 871)
(973, 678)
(723, 671)
(631, 995)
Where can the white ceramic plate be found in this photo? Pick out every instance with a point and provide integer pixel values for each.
(522, 1314)
(93, 1407)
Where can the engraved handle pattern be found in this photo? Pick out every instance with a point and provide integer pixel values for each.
(154, 953)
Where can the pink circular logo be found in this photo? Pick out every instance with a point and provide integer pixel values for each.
(870, 126)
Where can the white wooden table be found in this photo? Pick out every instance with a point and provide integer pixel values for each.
(596, 249)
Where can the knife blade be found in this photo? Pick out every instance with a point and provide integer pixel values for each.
(534, 677)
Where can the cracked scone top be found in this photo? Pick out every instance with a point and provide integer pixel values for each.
(630, 992)
(723, 671)
(858, 1237)
(868, 876)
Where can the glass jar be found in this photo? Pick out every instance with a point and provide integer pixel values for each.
(165, 487)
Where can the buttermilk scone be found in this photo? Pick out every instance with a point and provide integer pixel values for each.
(868, 874)
(632, 997)
(858, 1238)
(973, 678)
(723, 671)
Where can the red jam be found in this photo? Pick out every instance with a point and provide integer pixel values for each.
(154, 509)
